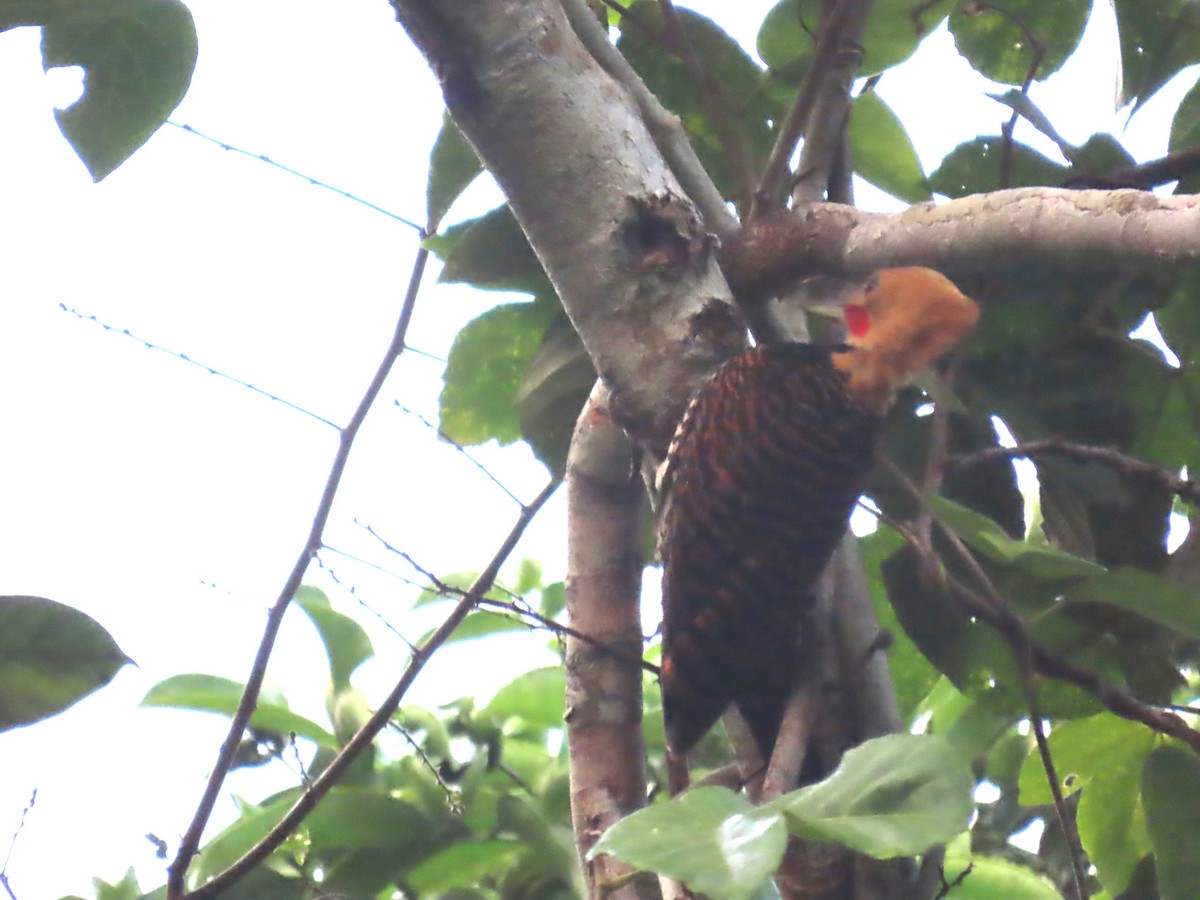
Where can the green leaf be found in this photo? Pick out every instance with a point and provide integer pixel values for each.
(986, 537)
(463, 865)
(709, 838)
(974, 167)
(893, 31)
(745, 108)
(481, 623)
(346, 643)
(491, 253)
(1171, 793)
(484, 372)
(1000, 40)
(882, 151)
(1157, 40)
(138, 55)
(452, 166)
(896, 795)
(1144, 593)
(210, 693)
(912, 674)
(125, 889)
(1101, 755)
(552, 392)
(51, 656)
(535, 698)
(993, 878)
(1185, 132)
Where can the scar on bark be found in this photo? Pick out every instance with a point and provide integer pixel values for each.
(663, 233)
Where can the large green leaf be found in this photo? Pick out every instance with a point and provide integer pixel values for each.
(912, 674)
(1144, 593)
(986, 537)
(346, 643)
(490, 252)
(138, 55)
(1157, 40)
(710, 838)
(1000, 39)
(211, 693)
(452, 166)
(892, 796)
(552, 393)
(463, 865)
(739, 116)
(893, 31)
(1101, 755)
(536, 698)
(51, 656)
(992, 877)
(974, 167)
(882, 152)
(1185, 132)
(484, 372)
(1171, 793)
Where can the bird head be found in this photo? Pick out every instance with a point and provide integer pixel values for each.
(899, 322)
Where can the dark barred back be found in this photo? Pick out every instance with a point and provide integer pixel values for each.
(762, 476)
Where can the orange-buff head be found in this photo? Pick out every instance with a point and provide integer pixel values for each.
(900, 322)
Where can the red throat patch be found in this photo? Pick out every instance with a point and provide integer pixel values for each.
(858, 320)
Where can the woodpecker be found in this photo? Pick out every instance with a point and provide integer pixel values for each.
(765, 468)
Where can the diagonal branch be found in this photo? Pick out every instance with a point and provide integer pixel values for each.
(365, 735)
(190, 843)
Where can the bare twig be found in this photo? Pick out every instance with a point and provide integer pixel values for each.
(191, 839)
(1146, 175)
(1185, 488)
(380, 718)
(831, 99)
(844, 24)
(13, 843)
(722, 114)
(992, 610)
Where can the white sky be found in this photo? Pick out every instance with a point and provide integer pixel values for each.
(169, 504)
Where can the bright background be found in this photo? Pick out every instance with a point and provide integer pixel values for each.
(168, 503)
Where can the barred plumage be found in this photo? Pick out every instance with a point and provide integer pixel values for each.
(766, 468)
(758, 486)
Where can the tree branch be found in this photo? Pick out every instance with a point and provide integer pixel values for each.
(664, 125)
(1053, 227)
(628, 253)
(1185, 488)
(190, 843)
(381, 717)
(605, 511)
(842, 32)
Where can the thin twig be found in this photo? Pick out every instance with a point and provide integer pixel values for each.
(663, 125)
(992, 610)
(380, 718)
(315, 182)
(1185, 488)
(190, 843)
(13, 843)
(1066, 822)
(724, 118)
(838, 27)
